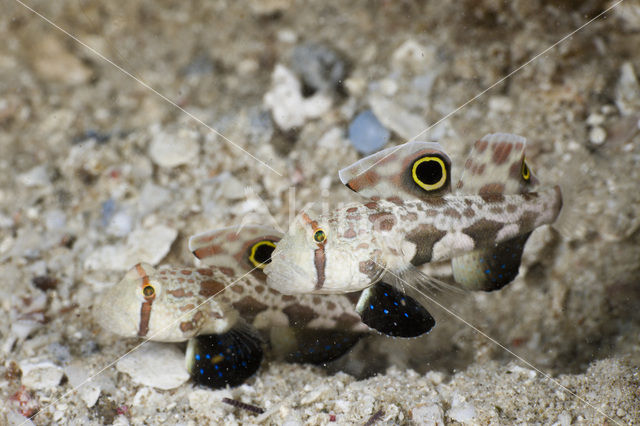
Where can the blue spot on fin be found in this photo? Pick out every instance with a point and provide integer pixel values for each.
(218, 360)
(395, 313)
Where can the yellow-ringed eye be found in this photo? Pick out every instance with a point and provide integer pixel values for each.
(260, 253)
(148, 291)
(319, 236)
(430, 173)
(525, 172)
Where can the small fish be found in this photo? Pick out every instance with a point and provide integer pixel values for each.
(227, 328)
(413, 217)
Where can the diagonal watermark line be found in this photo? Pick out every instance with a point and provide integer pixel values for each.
(571, 34)
(501, 346)
(145, 85)
(138, 346)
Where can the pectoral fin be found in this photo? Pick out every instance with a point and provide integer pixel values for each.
(392, 312)
(218, 360)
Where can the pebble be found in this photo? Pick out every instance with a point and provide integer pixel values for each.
(427, 414)
(627, 90)
(367, 134)
(52, 61)
(143, 245)
(172, 149)
(320, 67)
(151, 197)
(595, 119)
(286, 103)
(597, 135)
(89, 391)
(159, 365)
(38, 374)
(37, 176)
(414, 56)
(398, 119)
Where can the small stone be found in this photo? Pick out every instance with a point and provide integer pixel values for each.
(88, 390)
(151, 197)
(120, 224)
(414, 56)
(40, 374)
(159, 365)
(397, 118)
(597, 136)
(462, 413)
(500, 104)
(169, 149)
(595, 119)
(286, 103)
(52, 61)
(37, 176)
(427, 414)
(367, 134)
(319, 66)
(628, 90)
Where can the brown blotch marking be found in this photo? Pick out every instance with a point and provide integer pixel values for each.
(288, 298)
(396, 200)
(483, 232)
(527, 221)
(372, 205)
(480, 169)
(511, 208)
(350, 233)
(528, 196)
(207, 251)
(191, 281)
(352, 210)
(459, 185)
(316, 300)
(227, 271)
(209, 288)
(237, 289)
(186, 326)
(187, 307)
(299, 315)
(205, 271)
(468, 212)
(496, 210)
(364, 180)
(491, 188)
(410, 217)
(519, 146)
(172, 272)
(185, 272)
(331, 306)
(451, 212)
(481, 145)
(424, 237)
(353, 217)
(468, 164)
(181, 280)
(346, 321)
(259, 289)
(501, 151)
(492, 197)
(369, 268)
(248, 307)
(362, 246)
(468, 202)
(435, 201)
(383, 221)
(180, 293)
(272, 291)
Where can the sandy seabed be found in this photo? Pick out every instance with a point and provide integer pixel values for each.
(98, 172)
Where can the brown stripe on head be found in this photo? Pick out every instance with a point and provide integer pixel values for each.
(207, 251)
(249, 307)
(145, 308)
(483, 231)
(363, 181)
(320, 262)
(501, 151)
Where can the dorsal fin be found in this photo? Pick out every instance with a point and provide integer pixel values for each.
(238, 248)
(496, 164)
(414, 170)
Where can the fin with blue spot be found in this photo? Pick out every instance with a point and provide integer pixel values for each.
(495, 165)
(392, 312)
(319, 346)
(219, 360)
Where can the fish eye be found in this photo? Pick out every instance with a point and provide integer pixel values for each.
(429, 172)
(148, 291)
(319, 236)
(525, 172)
(260, 253)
